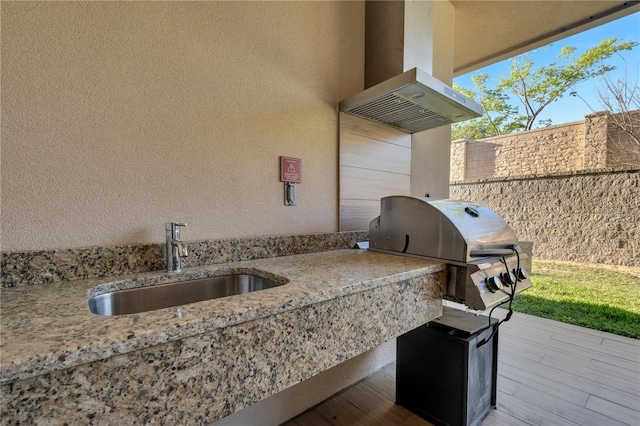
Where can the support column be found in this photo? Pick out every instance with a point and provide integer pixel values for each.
(428, 38)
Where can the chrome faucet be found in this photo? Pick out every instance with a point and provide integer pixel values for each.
(176, 249)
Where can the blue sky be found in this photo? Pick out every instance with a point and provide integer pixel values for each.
(569, 108)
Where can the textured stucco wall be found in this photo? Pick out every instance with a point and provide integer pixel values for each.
(589, 217)
(120, 116)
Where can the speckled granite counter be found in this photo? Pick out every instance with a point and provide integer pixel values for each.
(64, 364)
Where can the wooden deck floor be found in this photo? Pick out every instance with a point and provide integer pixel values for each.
(549, 373)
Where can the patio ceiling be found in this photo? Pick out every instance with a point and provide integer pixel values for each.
(490, 31)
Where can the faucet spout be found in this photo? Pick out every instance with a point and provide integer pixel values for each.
(176, 249)
(181, 247)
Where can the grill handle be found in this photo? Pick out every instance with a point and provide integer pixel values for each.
(492, 252)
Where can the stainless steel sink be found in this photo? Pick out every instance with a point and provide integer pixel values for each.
(144, 299)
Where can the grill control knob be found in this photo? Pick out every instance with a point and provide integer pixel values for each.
(493, 283)
(520, 273)
(508, 278)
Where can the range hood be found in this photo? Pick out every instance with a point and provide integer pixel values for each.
(412, 102)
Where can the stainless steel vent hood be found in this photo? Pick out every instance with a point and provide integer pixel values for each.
(412, 102)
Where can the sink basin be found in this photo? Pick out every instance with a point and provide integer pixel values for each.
(144, 299)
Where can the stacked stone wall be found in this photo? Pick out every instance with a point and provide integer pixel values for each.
(595, 143)
(458, 161)
(583, 216)
(623, 150)
(548, 150)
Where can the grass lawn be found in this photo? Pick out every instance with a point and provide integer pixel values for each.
(588, 296)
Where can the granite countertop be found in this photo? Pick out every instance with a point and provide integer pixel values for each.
(49, 327)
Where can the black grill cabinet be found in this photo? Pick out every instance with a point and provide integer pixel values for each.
(442, 375)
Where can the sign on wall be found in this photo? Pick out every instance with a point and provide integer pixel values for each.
(290, 169)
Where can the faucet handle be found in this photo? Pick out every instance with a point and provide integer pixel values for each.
(171, 226)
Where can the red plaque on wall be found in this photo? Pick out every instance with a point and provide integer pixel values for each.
(290, 169)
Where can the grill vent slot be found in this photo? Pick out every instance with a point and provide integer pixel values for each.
(399, 112)
(412, 102)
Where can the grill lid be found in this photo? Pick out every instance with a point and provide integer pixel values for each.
(479, 248)
(438, 228)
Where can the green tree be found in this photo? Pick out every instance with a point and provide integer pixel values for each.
(532, 89)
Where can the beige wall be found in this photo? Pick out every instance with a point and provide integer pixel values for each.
(120, 116)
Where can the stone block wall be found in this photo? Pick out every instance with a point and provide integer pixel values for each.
(458, 160)
(546, 150)
(583, 216)
(623, 150)
(571, 189)
(597, 142)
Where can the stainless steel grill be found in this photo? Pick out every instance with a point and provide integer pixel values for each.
(478, 246)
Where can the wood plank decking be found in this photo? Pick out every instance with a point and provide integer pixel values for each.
(549, 373)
